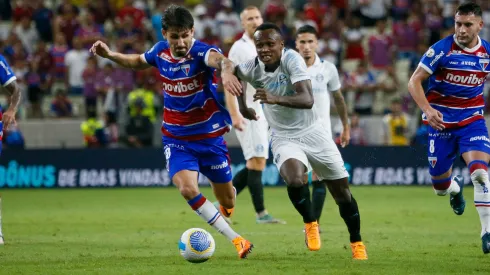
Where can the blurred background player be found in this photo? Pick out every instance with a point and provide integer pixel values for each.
(457, 67)
(325, 80)
(193, 121)
(251, 134)
(9, 84)
(298, 137)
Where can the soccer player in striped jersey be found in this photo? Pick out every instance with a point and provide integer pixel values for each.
(457, 67)
(193, 119)
(9, 84)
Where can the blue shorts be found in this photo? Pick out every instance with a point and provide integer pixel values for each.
(445, 145)
(208, 156)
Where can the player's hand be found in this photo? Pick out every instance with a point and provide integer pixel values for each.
(434, 118)
(238, 122)
(249, 114)
(345, 136)
(8, 119)
(231, 84)
(264, 97)
(101, 49)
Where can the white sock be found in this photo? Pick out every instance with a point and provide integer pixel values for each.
(480, 180)
(206, 210)
(453, 188)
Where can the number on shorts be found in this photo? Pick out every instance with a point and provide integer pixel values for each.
(431, 146)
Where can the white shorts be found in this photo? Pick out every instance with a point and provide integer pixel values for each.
(254, 139)
(316, 150)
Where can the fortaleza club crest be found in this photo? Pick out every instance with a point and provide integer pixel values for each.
(186, 68)
(432, 161)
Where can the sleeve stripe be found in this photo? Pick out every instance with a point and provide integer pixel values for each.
(143, 58)
(300, 78)
(12, 79)
(206, 56)
(426, 68)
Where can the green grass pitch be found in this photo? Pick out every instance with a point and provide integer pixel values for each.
(407, 230)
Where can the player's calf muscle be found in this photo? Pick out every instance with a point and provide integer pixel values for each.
(186, 182)
(224, 194)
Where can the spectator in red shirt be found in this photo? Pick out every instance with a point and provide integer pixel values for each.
(89, 32)
(137, 14)
(315, 10)
(67, 24)
(381, 47)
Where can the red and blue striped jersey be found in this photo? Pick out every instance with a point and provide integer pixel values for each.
(456, 81)
(191, 109)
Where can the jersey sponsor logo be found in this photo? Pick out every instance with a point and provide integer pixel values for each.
(437, 57)
(223, 165)
(484, 55)
(453, 62)
(180, 87)
(430, 52)
(479, 138)
(432, 161)
(468, 63)
(471, 79)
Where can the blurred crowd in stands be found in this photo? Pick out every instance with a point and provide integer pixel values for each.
(376, 45)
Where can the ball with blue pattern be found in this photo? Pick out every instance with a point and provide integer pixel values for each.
(196, 245)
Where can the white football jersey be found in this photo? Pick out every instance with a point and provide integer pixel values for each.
(242, 51)
(283, 121)
(324, 80)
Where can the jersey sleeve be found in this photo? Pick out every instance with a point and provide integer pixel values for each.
(295, 66)
(432, 59)
(7, 76)
(244, 71)
(333, 83)
(150, 56)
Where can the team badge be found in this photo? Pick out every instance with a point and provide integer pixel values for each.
(484, 63)
(432, 161)
(430, 52)
(259, 148)
(283, 79)
(186, 68)
(319, 77)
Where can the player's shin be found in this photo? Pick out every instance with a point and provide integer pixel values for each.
(206, 210)
(349, 211)
(318, 198)
(479, 177)
(240, 180)
(300, 198)
(256, 190)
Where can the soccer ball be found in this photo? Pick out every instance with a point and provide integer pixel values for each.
(196, 245)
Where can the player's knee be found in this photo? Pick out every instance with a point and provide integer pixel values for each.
(295, 181)
(478, 171)
(188, 191)
(257, 164)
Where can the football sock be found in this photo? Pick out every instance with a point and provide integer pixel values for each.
(349, 211)
(445, 186)
(206, 210)
(318, 198)
(300, 197)
(256, 189)
(240, 180)
(479, 177)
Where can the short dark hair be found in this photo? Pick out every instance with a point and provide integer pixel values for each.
(177, 17)
(307, 29)
(469, 8)
(269, 26)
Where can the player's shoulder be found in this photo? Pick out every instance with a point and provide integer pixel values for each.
(159, 46)
(441, 47)
(290, 55)
(2, 58)
(485, 44)
(200, 48)
(249, 65)
(327, 65)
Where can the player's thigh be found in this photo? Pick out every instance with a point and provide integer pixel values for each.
(324, 156)
(290, 159)
(179, 157)
(254, 140)
(474, 143)
(442, 149)
(214, 161)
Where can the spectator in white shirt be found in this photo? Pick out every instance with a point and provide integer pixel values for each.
(75, 61)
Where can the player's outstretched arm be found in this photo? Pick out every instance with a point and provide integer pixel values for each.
(231, 83)
(132, 61)
(342, 111)
(416, 90)
(14, 101)
(303, 99)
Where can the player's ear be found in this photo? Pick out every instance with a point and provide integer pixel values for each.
(192, 32)
(164, 33)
